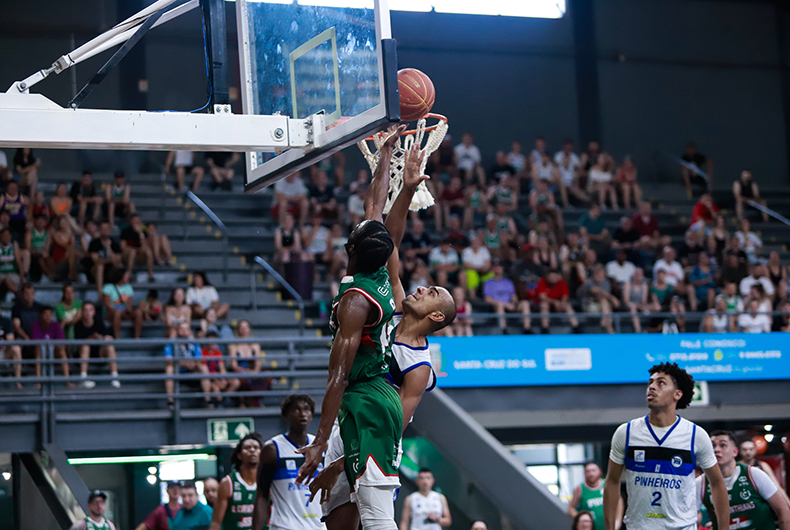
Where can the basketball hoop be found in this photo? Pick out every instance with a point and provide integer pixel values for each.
(435, 134)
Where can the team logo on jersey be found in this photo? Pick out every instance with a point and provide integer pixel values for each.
(383, 290)
(236, 495)
(290, 465)
(746, 495)
(743, 480)
(677, 461)
(639, 456)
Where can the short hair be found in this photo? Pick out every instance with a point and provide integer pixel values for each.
(6, 229)
(372, 245)
(45, 308)
(292, 400)
(86, 302)
(235, 457)
(121, 175)
(449, 310)
(87, 172)
(682, 379)
(188, 485)
(578, 516)
(591, 463)
(425, 470)
(212, 335)
(728, 434)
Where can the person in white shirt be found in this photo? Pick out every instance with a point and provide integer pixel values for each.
(184, 162)
(757, 277)
(537, 153)
(425, 509)
(657, 456)
(314, 239)
(620, 270)
(476, 259)
(755, 501)
(468, 160)
(749, 241)
(568, 164)
(356, 205)
(753, 321)
(444, 263)
(517, 158)
(201, 295)
(291, 193)
(675, 275)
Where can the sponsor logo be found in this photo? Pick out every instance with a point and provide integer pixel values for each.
(655, 516)
(658, 482)
(383, 290)
(568, 359)
(743, 480)
(236, 495)
(639, 456)
(718, 355)
(746, 495)
(290, 465)
(677, 461)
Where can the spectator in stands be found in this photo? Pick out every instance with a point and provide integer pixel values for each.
(592, 228)
(46, 328)
(95, 519)
(756, 277)
(734, 270)
(462, 325)
(418, 240)
(705, 213)
(700, 170)
(60, 203)
(220, 164)
(27, 167)
(193, 515)
(209, 324)
(764, 299)
(537, 152)
(184, 162)
(455, 235)
(217, 366)
(135, 247)
(777, 274)
(160, 245)
(467, 159)
(246, 361)
(3, 166)
(597, 297)
(117, 296)
(11, 262)
(335, 254)
(635, 297)
(443, 161)
(516, 158)
(477, 206)
(585, 268)
(620, 271)
(202, 295)
(69, 310)
(626, 181)
(602, 180)
(753, 321)
(650, 240)
(526, 274)
(363, 177)
(444, 264)
(287, 241)
(676, 275)
(720, 237)
(105, 253)
(583, 521)
(717, 319)
(500, 293)
(151, 307)
(24, 313)
(38, 206)
(291, 197)
(37, 246)
(159, 519)
(18, 208)
(118, 198)
(703, 280)
(477, 265)
(744, 190)
(177, 311)
(356, 205)
(315, 238)
(587, 159)
(571, 254)
(493, 237)
(782, 322)
(322, 197)
(568, 165)
(544, 255)
(749, 241)
(626, 238)
(502, 167)
(504, 192)
(452, 200)
(733, 299)
(188, 356)
(61, 247)
(691, 249)
(544, 169)
(553, 296)
(10, 352)
(661, 290)
(91, 327)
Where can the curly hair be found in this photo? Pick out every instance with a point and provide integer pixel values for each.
(292, 400)
(682, 379)
(235, 457)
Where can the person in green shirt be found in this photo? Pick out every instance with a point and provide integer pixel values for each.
(193, 515)
(588, 496)
(68, 311)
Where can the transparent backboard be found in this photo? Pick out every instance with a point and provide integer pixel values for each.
(300, 59)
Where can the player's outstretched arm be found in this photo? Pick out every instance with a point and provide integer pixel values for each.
(781, 509)
(325, 480)
(412, 390)
(719, 495)
(221, 505)
(352, 315)
(380, 185)
(267, 465)
(611, 495)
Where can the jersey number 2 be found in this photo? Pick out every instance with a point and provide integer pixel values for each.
(656, 498)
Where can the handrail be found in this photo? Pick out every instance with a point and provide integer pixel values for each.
(288, 287)
(776, 215)
(217, 221)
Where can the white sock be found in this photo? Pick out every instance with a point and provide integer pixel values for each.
(83, 374)
(114, 374)
(376, 509)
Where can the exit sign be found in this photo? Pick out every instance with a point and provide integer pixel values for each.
(229, 431)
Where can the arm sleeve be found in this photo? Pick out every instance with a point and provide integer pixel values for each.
(762, 482)
(617, 452)
(704, 449)
(214, 295)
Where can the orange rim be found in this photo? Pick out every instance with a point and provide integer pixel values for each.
(427, 129)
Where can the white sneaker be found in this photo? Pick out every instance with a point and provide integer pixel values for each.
(88, 384)
(115, 383)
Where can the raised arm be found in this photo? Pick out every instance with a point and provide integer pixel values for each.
(380, 185)
(266, 468)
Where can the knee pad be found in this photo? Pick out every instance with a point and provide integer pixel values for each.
(376, 507)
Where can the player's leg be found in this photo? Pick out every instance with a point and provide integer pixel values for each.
(343, 517)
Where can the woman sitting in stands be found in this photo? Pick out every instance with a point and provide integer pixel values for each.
(287, 241)
(246, 359)
(61, 246)
(118, 303)
(626, 180)
(202, 295)
(27, 166)
(176, 311)
(601, 181)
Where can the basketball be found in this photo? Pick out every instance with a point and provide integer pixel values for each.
(416, 94)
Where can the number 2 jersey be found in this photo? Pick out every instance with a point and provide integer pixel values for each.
(659, 471)
(291, 509)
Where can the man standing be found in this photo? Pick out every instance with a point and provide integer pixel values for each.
(753, 495)
(193, 515)
(162, 517)
(95, 521)
(236, 497)
(425, 509)
(588, 496)
(289, 506)
(657, 455)
(210, 490)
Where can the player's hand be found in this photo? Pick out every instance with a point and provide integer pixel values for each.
(394, 133)
(411, 167)
(325, 481)
(313, 454)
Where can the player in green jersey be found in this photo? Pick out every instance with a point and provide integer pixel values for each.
(754, 498)
(366, 406)
(236, 496)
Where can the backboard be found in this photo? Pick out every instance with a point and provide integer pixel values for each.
(335, 67)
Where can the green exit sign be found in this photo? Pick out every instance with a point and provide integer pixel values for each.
(229, 431)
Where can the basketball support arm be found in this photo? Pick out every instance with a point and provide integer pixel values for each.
(32, 120)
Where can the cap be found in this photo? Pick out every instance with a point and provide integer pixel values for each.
(171, 483)
(96, 493)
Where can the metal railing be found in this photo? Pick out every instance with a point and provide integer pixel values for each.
(287, 286)
(217, 221)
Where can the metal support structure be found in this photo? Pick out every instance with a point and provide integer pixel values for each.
(217, 49)
(47, 489)
(588, 99)
(16, 489)
(781, 15)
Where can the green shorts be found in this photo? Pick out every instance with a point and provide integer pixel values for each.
(371, 421)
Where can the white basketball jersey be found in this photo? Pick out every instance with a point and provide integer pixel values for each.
(406, 358)
(291, 509)
(659, 476)
(420, 508)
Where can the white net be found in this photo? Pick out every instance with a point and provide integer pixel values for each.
(432, 136)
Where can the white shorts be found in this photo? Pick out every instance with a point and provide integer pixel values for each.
(600, 176)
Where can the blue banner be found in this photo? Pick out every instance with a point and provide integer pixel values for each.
(606, 359)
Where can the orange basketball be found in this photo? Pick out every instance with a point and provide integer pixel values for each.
(416, 94)
(760, 444)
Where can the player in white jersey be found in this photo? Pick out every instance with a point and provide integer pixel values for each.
(657, 456)
(425, 509)
(417, 315)
(291, 508)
